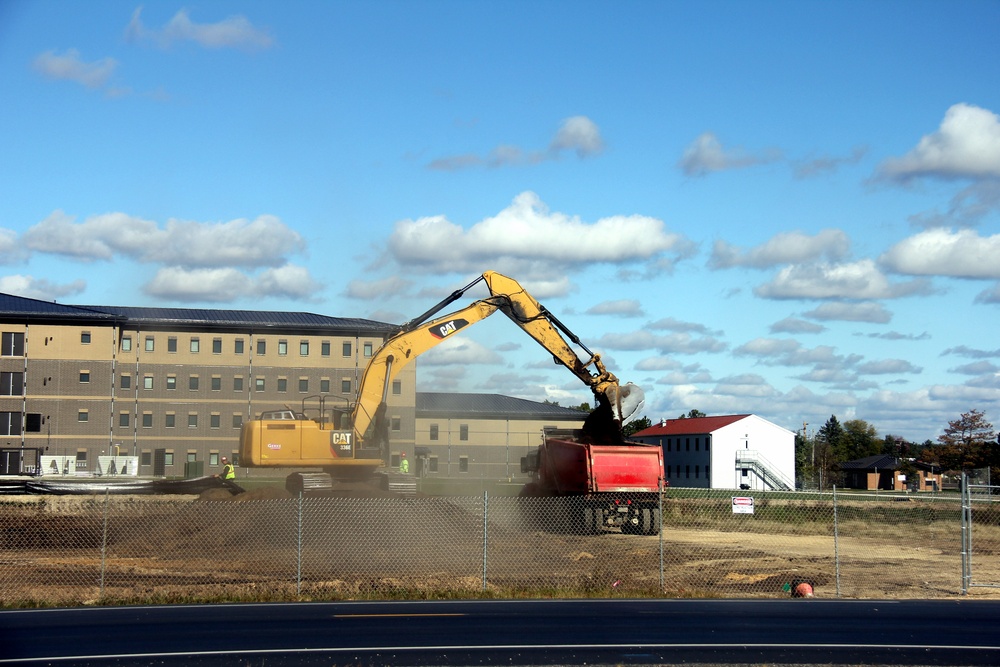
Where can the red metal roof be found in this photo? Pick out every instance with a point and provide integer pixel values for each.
(689, 426)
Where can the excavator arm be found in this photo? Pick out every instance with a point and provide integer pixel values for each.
(615, 404)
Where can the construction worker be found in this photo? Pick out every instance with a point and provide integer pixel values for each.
(228, 471)
(404, 465)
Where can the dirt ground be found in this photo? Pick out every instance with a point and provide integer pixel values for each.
(72, 550)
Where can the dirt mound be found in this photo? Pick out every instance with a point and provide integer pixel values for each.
(262, 493)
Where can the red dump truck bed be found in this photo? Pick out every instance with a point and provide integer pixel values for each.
(571, 467)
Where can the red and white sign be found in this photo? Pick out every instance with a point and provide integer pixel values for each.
(742, 505)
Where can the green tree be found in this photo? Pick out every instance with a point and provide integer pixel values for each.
(825, 458)
(693, 414)
(968, 442)
(858, 440)
(636, 425)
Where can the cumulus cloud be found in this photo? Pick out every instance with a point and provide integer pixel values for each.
(794, 325)
(577, 134)
(943, 252)
(457, 350)
(965, 209)
(855, 280)
(264, 241)
(976, 368)
(786, 352)
(39, 288)
(875, 313)
(706, 155)
(971, 352)
(674, 324)
(11, 251)
(233, 32)
(223, 285)
(966, 145)
(620, 307)
(528, 240)
(676, 343)
(887, 367)
(784, 248)
(70, 67)
(895, 335)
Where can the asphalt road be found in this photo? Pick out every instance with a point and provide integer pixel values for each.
(530, 632)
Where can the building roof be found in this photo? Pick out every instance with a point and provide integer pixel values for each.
(444, 405)
(689, 426)
(880, 461)
(21, 308)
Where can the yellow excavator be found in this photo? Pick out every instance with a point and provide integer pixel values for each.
(357, 448)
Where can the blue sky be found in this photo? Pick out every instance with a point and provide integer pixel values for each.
(784, 208)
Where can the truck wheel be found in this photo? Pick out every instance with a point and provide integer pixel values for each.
(588, 521)
(645, 522)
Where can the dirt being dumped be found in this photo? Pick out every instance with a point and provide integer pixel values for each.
(266, 544)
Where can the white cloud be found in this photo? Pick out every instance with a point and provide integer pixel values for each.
(706, 155)
(529, 241)
(887, 366)
(856, 280)
(70, 67)
(210, 285)
(289, 281)
(232, 32)
(621, 307)
(794, 325)
(784, 248)
(677, 343)
(461, 351)
(578, 134)
(264, 241)
(875, 313)
(11, 250)
(942, 252)
(966, 145)
(39, 288)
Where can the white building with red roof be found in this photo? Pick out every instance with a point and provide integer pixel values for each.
(725, 452)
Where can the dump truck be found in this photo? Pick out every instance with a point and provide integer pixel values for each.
(354, 445)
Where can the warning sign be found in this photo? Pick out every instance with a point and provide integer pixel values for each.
(742, 505)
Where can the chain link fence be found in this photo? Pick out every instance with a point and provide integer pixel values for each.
(78, 550)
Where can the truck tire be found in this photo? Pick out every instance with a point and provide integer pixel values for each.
(649, 522)
(588, 521)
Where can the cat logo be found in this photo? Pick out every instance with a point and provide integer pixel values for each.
(340, 443)
(442, 331)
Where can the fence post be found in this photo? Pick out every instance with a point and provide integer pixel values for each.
(836, 540)
(104, 539)
(298, 552)
(661, 531)
(966, 534)
(486, 502)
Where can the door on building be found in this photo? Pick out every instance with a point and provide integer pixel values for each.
(159, 462)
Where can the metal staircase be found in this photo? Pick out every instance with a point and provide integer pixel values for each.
(763, 470)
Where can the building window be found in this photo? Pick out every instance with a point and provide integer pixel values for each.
(170, 420)
(237, 383)
(708, 443)
(687, 444)
(168, 458)
(397, 387)
(171, 344)
(282, 348)
(345, 386)
(195, 345)
(147, 382)
(304, 348)
(171, 382)
(368, 349)
(10, 423)
(11, 384)
(303, 385)
(85, 337)
(12, 344)
(126, 343)
(84, 377)
(432, 464)
(396, 424)
(347, 349)
(193, 420)
(697, 471)
(324, 348)
(697, 447)
(123, 419)
(434, 431)
(707, 476)
(238, 346)
(237, 421)
(146, 458)
(216, 346)
(324, 386)
(259, 384)
(192, 456)
(261, 347)
(82, 416)
(147, 420)
(149, 343)
(463, 464)
(193, 383)
(216, 383)
(687, 472)
(213, 458)
(463, 432)
(282, 385)
(215, 420)
(126, 382)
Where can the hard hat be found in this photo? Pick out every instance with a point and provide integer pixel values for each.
(224, 458)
